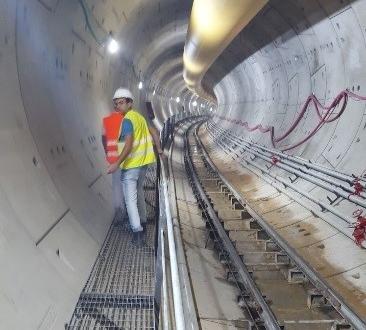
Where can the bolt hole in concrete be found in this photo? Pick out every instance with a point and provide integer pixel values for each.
(35, 162)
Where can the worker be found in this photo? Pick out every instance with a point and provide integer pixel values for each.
(110, 139)
(137, 153)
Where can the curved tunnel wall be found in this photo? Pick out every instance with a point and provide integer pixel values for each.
(56, 84)
(289, 51)
(55, 205)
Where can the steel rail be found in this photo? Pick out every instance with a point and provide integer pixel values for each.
(177, 295)
(333, 297)
(267, 315)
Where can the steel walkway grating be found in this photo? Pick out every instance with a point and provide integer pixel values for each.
(119, 293)
(123, 268)
(96, 311)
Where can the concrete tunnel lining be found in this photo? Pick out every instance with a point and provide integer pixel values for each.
(56, 85)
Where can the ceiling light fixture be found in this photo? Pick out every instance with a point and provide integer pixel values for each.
(113, 46)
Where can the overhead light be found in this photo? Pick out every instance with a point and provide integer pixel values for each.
(141, 85)
(178, 99)
(113, 46)
(154, 92)
(194, 103)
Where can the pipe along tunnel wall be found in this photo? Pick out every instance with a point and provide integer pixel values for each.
(55, 86)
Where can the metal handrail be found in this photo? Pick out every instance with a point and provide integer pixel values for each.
(164, 284)
(175, 280)
(179, 283)
(190, 315)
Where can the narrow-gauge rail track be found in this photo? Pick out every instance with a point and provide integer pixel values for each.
(273, 290)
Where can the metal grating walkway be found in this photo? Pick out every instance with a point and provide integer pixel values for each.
(119, 293)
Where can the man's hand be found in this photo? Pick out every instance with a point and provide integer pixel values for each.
(113, 168)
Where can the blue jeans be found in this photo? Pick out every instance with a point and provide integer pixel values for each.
(118, 199)
(133, 191)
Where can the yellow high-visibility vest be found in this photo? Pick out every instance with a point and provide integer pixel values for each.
(142, 152)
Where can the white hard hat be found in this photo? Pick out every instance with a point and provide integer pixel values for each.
(122, 92)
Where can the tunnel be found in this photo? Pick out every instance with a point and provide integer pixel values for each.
(256, 209)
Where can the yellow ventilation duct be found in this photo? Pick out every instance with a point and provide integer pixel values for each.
(213, 25)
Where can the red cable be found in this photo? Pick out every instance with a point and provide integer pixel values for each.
(274, 160)
(358, 188)
(359, 232)
(324, 113)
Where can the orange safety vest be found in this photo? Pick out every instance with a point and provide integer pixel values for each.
(112, 127)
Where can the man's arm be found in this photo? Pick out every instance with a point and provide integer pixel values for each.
(125, 152)
(155, 135)
(104, 140)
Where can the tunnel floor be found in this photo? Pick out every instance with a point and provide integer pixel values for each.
(332, 255)
(215, 297)
(120, 291)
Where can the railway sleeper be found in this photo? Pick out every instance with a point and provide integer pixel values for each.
(245, 235)
(262, 257)
(296, 276)
(232, 214)
(238, 224)
(341, 325)
(317, 299)
(224, 189)
(268, 250)
(257, 245)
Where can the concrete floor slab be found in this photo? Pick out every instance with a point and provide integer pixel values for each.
(215, 297)
(268, 204)
(322, 257)
(333, 255)
(261, 192)
(307, 232)
(194, 237)
(286, 216)
(351, 286)
(284, 293)
(214, 324)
